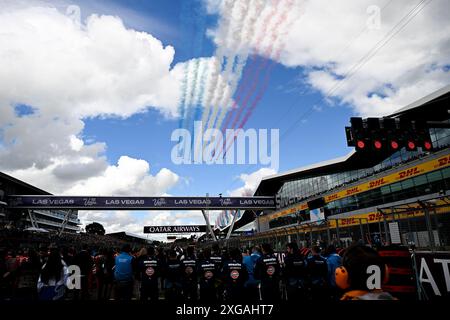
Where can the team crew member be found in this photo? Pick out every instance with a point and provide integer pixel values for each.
(267, 270)
(333, 261)
(123, 274)
(207, 277)
(189, 278)
(294, 273)
(149, 268)
(317, 269)
(217, 257)
(234, 275)
(362, 267)
(251, 285)
(173, 275)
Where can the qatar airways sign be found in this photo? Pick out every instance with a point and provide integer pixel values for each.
(141, 203)
(175, 229)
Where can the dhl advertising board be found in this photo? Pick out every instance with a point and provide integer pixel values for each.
(375, 217)
(392, 178)
(429, 166)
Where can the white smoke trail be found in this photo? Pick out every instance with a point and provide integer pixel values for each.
(233, 43)
(293, 11)
(226, 102)
(182, 96)
(219, 56)
(189, 102)
(215, 69)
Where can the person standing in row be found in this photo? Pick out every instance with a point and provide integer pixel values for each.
(189, 278)
(294, 273)
(251, 285)
(267, 270)
(150, 270)
(207, 278)
(123, 274)
(317, 269)
(234, 275)
(51, 284)
(217, 257)
(172, 277)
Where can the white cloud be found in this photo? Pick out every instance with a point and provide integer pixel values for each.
(251, 182)
(129, 177)
(405, 69)
(68, 72)
(327, 39)
(98, 68)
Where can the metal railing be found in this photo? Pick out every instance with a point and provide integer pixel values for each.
(422, 225)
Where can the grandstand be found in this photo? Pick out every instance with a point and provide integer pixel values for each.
(355, 198)
(50, 220)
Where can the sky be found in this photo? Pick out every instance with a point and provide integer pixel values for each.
(92, 91)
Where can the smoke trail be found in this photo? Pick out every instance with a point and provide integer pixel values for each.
(192, 91)
(199, 15)
(198, 101)
(245, 82)
(236, 34)
(218, 59)
(253, 13)
(183, 96)
(276, 57)
(186, 22)
(275, 35)
(193, 19)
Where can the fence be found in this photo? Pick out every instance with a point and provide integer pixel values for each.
(422, 225)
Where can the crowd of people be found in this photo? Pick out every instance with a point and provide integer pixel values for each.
(208, 275)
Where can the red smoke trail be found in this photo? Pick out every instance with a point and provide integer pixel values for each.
(243, 85)
(268, 53)
(266, 82)
(249, 74)
(253, 105)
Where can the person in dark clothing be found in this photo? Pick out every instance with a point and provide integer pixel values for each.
(84, 260)
(294, 273)
(68, 254)
(234, 275)
(108, 276)
(149, 273)
(267, 269)
(189, 279)
(207, 278)
(172, 276)
(217, 259)
(99, 267)
(27, 276)
(317, 269)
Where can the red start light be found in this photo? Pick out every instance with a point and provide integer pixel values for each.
(394, 145)
(427, 145)
(411, 145)
(360, 144)
(377, 144)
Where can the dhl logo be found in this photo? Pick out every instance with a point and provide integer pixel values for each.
(352, 190)
(347, 221)
(332, 197)
(375, 216)
(408, 173)
(443, 161)
(377, 183)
